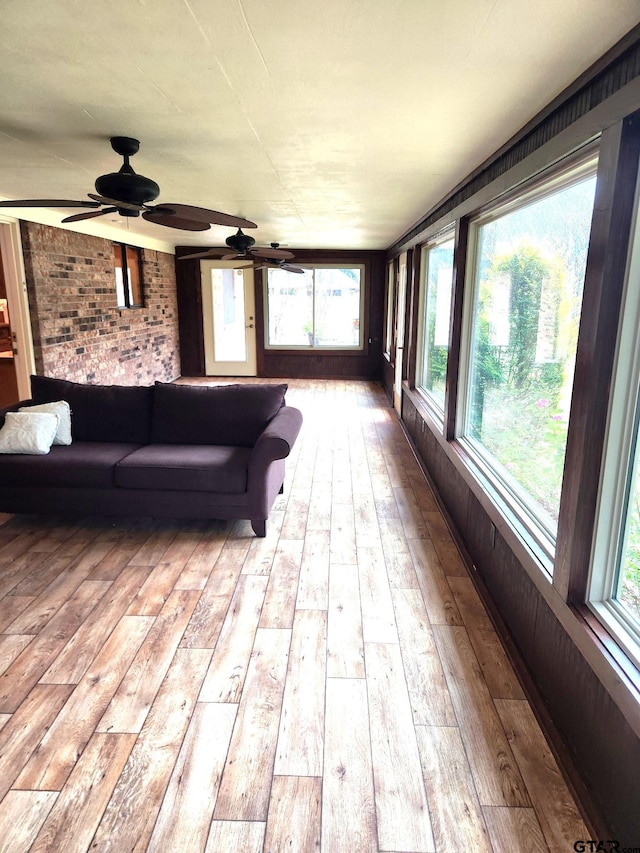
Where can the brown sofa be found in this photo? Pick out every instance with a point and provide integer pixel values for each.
(166, 450)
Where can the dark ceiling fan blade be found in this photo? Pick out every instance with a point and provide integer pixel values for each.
(48, 202)
(203, 214)
(172, 221)
(114, 201)
(233, 257)
(275, 266)
(210, 253)
(271, 253)
(78, 217)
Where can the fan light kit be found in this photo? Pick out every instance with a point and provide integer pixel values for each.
(129, 194)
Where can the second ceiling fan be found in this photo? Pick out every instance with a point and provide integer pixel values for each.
(244, 249)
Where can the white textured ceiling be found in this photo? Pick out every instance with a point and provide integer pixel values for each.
(331, 124)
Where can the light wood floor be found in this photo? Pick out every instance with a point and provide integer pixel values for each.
(336, 686)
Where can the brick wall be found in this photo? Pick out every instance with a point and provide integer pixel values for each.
(78, 331)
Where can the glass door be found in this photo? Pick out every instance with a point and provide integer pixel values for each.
(228, 313)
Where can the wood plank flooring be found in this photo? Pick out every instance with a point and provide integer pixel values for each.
(336, 686)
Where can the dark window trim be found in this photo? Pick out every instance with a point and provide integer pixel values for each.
(315, 349)
(124, 266)
(602, 298)
(390, 311)
(451, 394)
(413, 306)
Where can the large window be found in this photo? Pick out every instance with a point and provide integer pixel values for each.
(614, 588)
(320, 308)
(435, 321)
(528, 263)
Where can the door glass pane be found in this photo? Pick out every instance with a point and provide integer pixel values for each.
(229, 335)
(436, 321)
(530, 266)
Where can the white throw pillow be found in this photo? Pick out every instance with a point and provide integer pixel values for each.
(26, 432)
(63, 410)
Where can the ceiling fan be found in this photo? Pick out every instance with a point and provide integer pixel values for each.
(129, 194)
(278, 265)
(244, 249)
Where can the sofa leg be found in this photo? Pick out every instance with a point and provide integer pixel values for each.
(259, 528)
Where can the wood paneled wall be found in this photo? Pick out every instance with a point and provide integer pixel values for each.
(332, 364)
(387, 374)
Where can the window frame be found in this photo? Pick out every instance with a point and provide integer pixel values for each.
(620, 457)
(313, 347)
(127, 285)
(437, 410)
(388, 348)
(524, 515)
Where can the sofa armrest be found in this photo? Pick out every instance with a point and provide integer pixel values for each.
(13, 408)
(266, 464)
(277, 439)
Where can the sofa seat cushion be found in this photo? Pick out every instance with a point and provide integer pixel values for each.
(100, 412)
(222, 415)
(84, 464)
(184, 467)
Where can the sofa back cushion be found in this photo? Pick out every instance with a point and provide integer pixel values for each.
(118, 413)
(12, 408)
(233, 415)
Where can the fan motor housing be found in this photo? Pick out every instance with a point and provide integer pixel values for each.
(129, 187)
(240, 242)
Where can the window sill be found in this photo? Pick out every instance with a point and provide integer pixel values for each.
(626, 674)
(608, 623)
(318, 350)
(534, 539)
(427, 407)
